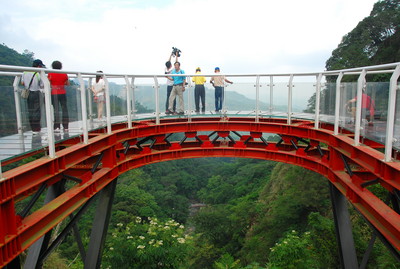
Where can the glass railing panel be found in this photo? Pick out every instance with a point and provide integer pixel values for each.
(118, 100)
(373, 109)
(303, 100)
(374, 120)
(240, 98)
(93, 111)
(327, 102)
(67, 113)
(265, 97)
(200, 109)
(145, 97)
(12, 143)
(348, 90)
(280, 99)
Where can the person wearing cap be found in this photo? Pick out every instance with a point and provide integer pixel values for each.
(58, 81)
(218, 83)
(199, 91)
(170, 81)
(32, 81)
(177, 90)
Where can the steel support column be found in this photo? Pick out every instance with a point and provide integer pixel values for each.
(100, 226)
(34, 252)
(344, 235)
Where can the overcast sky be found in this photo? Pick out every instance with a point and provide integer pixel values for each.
(135, 37)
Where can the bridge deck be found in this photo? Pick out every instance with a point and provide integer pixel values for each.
(14, 146)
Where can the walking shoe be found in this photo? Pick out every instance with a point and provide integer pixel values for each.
(57, 130)
(168, 112)
(181, 113)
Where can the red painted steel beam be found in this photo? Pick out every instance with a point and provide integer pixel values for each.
(17, 235)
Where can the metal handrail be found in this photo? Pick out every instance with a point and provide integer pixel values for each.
(361, 72)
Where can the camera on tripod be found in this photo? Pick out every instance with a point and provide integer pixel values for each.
(176, 52)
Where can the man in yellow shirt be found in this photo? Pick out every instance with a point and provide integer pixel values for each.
(199, 91)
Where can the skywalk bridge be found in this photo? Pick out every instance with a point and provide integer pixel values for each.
(301, 119)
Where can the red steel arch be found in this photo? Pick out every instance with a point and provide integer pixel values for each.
(107, 156)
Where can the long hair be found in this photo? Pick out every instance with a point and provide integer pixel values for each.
(98, 77)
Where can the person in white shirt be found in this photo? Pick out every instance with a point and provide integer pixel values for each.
(32, 82)
(98, 90)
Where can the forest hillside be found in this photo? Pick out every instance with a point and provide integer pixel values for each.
(237, 213)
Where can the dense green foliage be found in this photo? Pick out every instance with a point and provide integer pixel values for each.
(375, 40)
(256, 214)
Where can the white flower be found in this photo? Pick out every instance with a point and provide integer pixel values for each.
(129, 237)
(111, 248)
(142, 237)
(181, 226)
(174, 235)
(159, 242)
(151, 242)
(120, 224)
(166, 228)
(138, 219)
(181, 240)
(141, 247)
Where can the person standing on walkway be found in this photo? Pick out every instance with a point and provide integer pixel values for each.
(33, 82)
(98, 90)
(177, 89)
(199, 91)
(367, 107)
(58, 81)
(218, 83)
(170, 82)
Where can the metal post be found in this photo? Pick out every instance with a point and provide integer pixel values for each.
(257, 98)
(84, 111)
(317, 100)
(18, 104)
(360, 85)
(224, 85)
(157, 96)
(34, 252)
(337, 104)
(89, 97)
(189, 95)
(128, 101)
(271, 95)
(100, 226)
(344, 235)
(49, 114)
(391, 114)
(133, 98)
(108, 104)
(290, 93)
